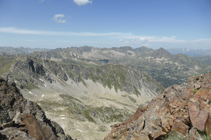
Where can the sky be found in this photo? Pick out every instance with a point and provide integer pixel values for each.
(106, 23)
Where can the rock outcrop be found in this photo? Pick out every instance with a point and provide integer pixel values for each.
(182, 109)
(21, 119)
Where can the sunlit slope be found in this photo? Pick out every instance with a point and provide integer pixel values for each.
(89, 99)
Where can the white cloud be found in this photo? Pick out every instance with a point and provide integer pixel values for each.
(82, 2)
(38, 32)
(109, 39)
(42, 0)
(166, 42)
(58, 18)
(146, 39)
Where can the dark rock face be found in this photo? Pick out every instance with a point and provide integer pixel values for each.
(24, 120)
(183, 109)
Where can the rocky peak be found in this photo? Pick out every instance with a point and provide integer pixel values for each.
(86, 48)
(161, 52)
(143, 49)
(23, 119)
(122, 49)
(182, 109)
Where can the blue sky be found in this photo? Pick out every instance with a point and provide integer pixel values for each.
(106, 23)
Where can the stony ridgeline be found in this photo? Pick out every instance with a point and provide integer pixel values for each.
(21, 119)
(183, 110)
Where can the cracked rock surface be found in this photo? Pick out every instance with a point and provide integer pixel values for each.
(184, 109)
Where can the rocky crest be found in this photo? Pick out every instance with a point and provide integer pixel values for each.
(182, 109)
(21, 119)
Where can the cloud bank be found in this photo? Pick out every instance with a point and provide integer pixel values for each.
(58, 18)
(14, 30)
(109, 39)
(82, 2)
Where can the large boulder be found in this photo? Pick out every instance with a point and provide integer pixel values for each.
(182, 109)
(24, 120)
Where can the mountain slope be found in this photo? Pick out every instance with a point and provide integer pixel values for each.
(205, 60)
(89, 99)
(160, 64)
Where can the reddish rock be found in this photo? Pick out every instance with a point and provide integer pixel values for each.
(180, 127)
(194, 113)
(134, 117)
(178, 108)
(201, 121)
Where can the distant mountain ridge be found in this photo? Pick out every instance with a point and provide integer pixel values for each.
(20, 50)
(204, 59)
(89, 89)
(190, 52)
(166, 68)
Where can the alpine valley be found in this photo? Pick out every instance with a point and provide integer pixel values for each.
(86, 90)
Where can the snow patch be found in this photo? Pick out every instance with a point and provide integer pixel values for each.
(40, 79)
(43, 95)
(45, 85)
(79, 130)
(30, 92)
(62, 115)
(62, 118)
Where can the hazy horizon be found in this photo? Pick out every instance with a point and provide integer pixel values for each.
(59, 24)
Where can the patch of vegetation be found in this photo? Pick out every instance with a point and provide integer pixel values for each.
(136, 91)
(102, 128)
(141, 105)
(51, 105)
(205, 136)
(6, 64)
(87, 116)
(132, 99)
(93, 78)
(30, 86)
(72, 76)
(82, 80)
(68, 98)
(195, 91)
(175, 136)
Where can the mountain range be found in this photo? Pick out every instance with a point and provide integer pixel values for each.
(20, 50)
(87, 89)
(190, 52)
(166, 68)
(84, 100)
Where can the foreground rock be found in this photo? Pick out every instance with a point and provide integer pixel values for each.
(21, 119)
(184, 109)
